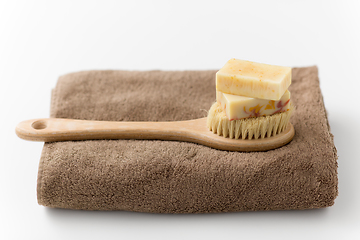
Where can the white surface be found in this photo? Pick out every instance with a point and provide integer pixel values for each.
(41, 40)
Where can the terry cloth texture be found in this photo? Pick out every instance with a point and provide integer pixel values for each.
(180, 177)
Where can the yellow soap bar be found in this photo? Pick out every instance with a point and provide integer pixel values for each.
(238, 107)
(255, 80)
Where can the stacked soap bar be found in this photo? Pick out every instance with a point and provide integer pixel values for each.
(247, 89)
(238, 107)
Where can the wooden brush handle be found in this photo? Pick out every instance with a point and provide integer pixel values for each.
(57, 129)
(195, 131)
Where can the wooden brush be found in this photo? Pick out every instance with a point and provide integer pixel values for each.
(195, 131)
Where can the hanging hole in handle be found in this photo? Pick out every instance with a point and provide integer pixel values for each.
(38, 125)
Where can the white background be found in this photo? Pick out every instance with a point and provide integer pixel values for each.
(40, 40)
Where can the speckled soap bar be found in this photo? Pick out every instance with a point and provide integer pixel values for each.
(238, 107)
(255, 80)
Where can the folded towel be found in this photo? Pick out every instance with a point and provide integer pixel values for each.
(181, 177)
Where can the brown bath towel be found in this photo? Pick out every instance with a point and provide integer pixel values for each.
(180, 177)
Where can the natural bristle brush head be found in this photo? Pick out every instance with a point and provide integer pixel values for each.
(247, 128)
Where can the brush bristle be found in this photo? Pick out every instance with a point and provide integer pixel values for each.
(255, 127)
